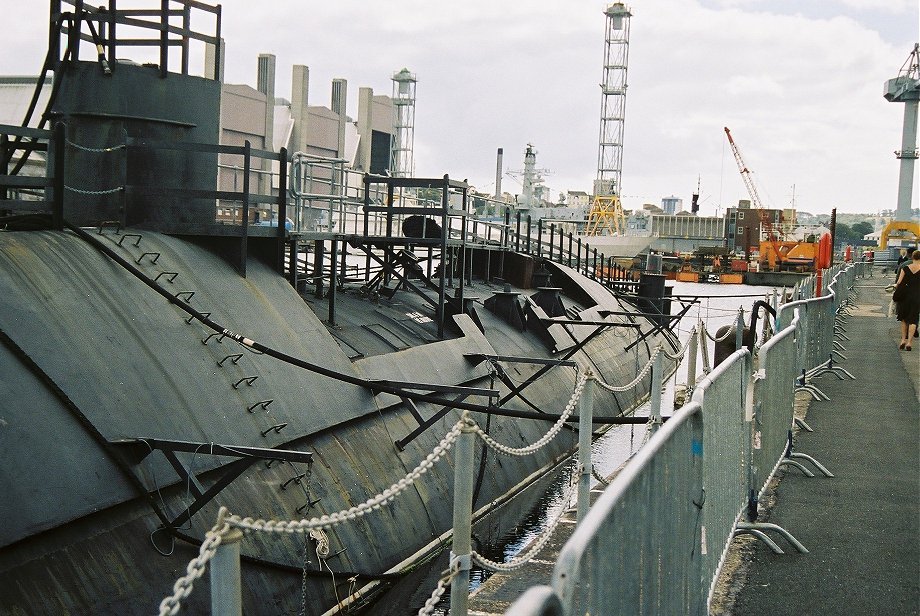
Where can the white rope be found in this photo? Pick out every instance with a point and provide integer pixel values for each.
(725, 336)
(550, 435)
(371, 504)
(680, 352)
(635, 381)
(526, 557)
(322, 543)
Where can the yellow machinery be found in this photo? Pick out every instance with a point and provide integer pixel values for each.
(606, 216)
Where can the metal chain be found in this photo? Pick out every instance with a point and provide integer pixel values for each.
(520, 561)
(303, 579)
(446, 578)
(680, 352)
(120, 146)
(371, 504)
(195, 569)
(730, 332)
(80, 191)
(598, 476)
(550, 435)
(635, 381)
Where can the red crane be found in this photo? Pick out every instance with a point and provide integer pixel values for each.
(768, 231)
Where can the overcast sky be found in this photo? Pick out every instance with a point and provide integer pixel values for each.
(798, 82)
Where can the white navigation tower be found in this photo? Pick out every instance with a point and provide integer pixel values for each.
(606, 216)
(532, 187)
(401, 163)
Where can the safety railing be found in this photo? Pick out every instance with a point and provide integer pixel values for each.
(819, 324)
(722, 396)
(697, 475)
(222, 543)
(634, 554)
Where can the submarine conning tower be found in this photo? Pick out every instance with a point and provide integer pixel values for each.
(128, 123)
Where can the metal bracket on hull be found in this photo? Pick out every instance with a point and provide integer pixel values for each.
(139, 448)
(424, 424)
(666, 322)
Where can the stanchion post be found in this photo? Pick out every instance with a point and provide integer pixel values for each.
(585, 426)
(226, 587)
(463, 513)
(704, 347)
(739, 330)
(691, 361)
(654, 413)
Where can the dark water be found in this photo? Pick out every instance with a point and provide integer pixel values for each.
(717, 305)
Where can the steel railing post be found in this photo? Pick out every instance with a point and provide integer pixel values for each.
(226, 587)
(585, 424)
(463, 514)
(691, 361)
(654, 413)
(739, 330)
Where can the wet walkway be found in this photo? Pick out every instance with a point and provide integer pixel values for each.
(862, 527)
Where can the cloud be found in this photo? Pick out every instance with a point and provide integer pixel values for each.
(798, 82)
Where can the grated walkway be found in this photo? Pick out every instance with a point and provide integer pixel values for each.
(862, 527)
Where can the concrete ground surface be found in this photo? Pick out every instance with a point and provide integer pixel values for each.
(861, 527)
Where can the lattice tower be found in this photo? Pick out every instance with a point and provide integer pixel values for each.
(401, 162)
(606, 214)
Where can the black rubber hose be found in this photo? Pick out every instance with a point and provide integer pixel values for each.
(300, 363)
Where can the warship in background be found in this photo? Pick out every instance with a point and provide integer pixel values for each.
(163, 353)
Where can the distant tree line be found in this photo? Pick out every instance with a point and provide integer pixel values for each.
(852, 234)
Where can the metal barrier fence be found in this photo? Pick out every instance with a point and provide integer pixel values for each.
(661, 490)
(773, 411)
(637, 551)
(725, 441)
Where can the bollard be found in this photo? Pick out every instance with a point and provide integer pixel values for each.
(463, 513)
(691, 361)
(585, 427)
(654, 413)
(226, 588)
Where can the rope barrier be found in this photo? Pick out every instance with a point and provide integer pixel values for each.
(314, 526)
(722, 338)
(520, 561)
(195, 569)
(680, 352)
(546, 438)
(432, 601)
(635, 381)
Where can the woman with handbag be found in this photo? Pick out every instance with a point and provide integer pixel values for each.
(906, 297)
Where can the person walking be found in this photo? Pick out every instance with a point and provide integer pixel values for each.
(907, 299)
